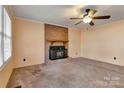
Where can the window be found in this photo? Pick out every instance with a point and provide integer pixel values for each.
(1, 60)
(5, 36)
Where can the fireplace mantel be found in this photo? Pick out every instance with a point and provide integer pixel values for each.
(53, 41)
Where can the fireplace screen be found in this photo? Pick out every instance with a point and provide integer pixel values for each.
(57, 52)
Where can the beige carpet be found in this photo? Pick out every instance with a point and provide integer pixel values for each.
(69, 73)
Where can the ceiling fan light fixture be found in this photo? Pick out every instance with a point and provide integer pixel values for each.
(87, 19)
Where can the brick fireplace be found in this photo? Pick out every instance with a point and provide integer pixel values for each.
(56, 42)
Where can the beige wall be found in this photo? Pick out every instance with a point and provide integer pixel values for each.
(74, 36)
(5, 73)
(28, 38)
(28, 43)
(104, 42)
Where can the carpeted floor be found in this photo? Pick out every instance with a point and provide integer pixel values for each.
(69, 73)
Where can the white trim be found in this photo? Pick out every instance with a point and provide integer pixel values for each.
(36, 21)
(31, 20)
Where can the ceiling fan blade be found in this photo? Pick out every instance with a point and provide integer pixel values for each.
(91, 23)
(91, 12)
(78, 22)
(102, 17)
(76, 18)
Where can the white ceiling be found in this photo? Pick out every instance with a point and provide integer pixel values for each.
(60, 14)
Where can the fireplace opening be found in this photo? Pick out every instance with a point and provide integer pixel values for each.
(57, 52)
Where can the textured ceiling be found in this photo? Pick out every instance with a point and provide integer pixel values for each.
(60, 14)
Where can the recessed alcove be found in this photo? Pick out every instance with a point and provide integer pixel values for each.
(55, 36)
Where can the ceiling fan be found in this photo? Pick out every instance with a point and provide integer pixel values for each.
(89, 17)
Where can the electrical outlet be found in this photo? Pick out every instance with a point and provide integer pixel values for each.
(24, 59)
(115, 58)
